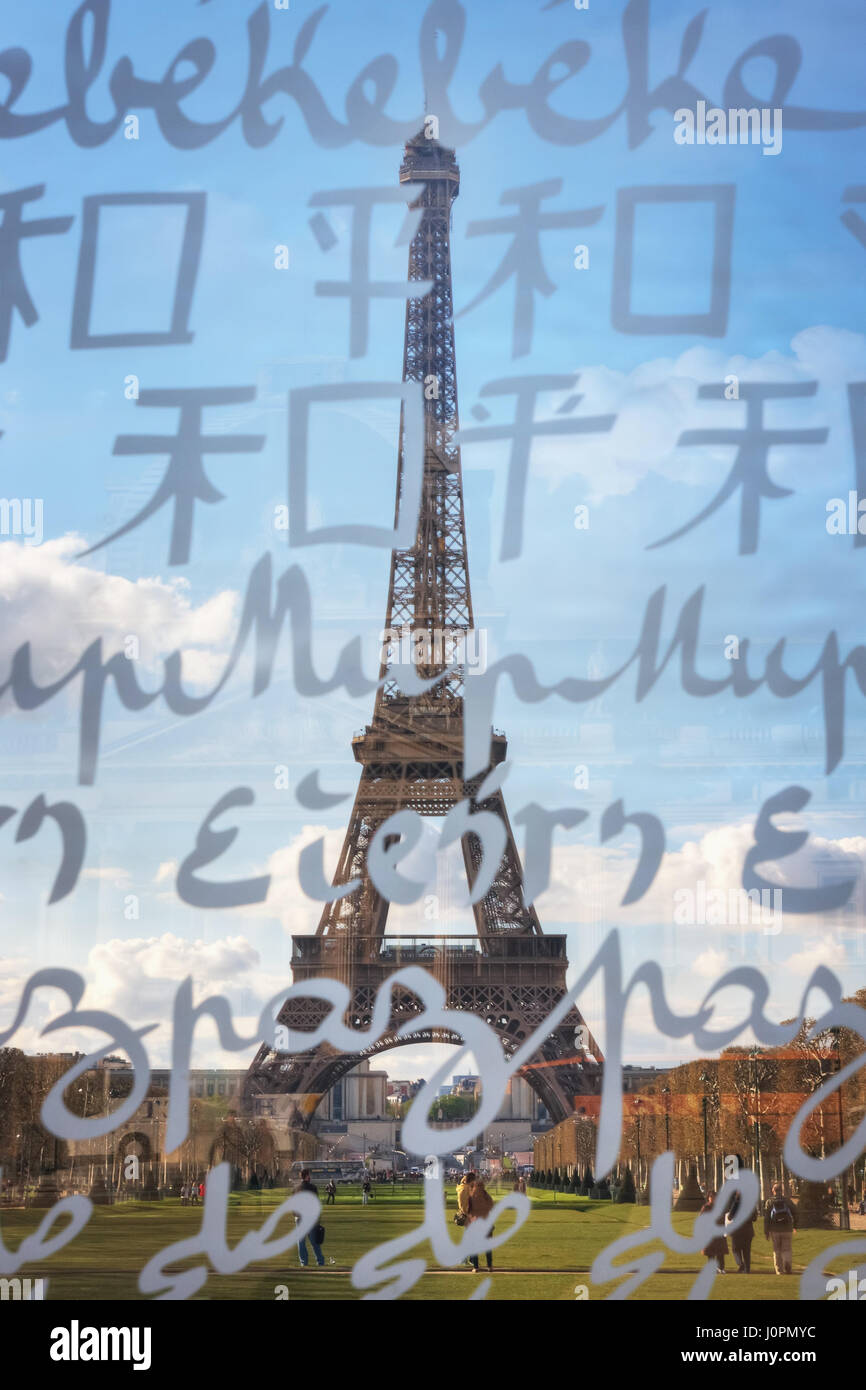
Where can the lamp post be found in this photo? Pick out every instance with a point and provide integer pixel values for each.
(666, 1092)
(844, 1214)
(759, 1167)
(704, 1078)
(637, 1120)
(559, 1161)
(29, 1161)
(164, 1137)
(82, 1090)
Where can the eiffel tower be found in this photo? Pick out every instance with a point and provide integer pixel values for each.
(508, 973)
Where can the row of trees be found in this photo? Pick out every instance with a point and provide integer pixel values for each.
(27, 1147)
(619, 1188)
(741, 1104)
(744, 1102)
(28, 1150)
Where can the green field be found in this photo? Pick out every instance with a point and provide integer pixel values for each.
(547, 1259)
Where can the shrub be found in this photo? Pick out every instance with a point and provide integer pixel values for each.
(625, 1191)
(814, 1206)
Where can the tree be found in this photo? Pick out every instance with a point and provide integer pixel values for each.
(814, 1206)
(14, 1079)
(247, 1144)
(625, 1190)
(753, 1077)
(453, 1108)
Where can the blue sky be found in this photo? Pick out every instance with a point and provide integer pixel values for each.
(573, 600)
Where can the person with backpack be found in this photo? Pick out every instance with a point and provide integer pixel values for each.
(317, 1234)
(780, 1219)
(365, 1189)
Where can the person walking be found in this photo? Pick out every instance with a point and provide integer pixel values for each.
(365, 1189)
(780, 1222)
(464, 1190)
(742, 1237)
(480, 1206)
(331, 1191)
(717, 1248)
(318, 1231)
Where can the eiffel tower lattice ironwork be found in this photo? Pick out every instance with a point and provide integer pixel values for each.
(509, 973)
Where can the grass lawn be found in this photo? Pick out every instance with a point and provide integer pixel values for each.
(546, 1260)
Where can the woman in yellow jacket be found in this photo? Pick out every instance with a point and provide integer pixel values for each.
(464, 1188)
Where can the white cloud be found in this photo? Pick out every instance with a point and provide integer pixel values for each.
(14, 970)
(138, 977)
(117, 876)
(61, 606)
(710, 964)
(658, 400)
(588, 881)
(286, 900)
(827, 951)
(136, 980)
